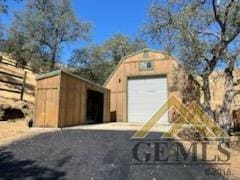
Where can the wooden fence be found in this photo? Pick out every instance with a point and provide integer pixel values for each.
(10, 62)
(22, 84)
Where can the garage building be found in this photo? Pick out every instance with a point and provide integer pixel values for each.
(140, 84)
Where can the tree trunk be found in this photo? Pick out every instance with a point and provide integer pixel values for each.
(207, 95)
(53, 60)
(225, 118)
(52, 66)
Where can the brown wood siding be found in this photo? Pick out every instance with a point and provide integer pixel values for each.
(61, 101)
(47, 102)
(51, 115)
(162, 65)
(73, 102)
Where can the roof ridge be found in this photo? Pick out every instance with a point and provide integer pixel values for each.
(135, 53)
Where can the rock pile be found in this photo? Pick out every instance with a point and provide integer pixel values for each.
(190, 134)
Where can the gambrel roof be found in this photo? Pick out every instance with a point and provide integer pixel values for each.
(133, 54)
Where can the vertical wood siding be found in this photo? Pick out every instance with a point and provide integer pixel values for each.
(61, 101)
(117, 83)
(47, 102)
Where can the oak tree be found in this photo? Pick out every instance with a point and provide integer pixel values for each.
(47, 25)
(204, 35)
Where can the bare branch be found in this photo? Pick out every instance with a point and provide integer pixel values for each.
(207, 32)
(233, 36)
(217, 16)
(236, 93)
(206, 60)
(237, 82)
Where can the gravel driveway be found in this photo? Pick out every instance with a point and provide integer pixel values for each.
(85, 155)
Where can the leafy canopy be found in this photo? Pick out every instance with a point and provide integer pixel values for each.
(46, 26)
(199, 32)
(96, 62)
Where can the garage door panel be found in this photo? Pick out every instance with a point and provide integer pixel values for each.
(140, 118)
(144, 106)
(145, 96)
(149, 94)
(147, 89)
(147, 100)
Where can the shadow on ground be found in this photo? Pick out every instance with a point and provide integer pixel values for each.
(85, 155)
(12, 168)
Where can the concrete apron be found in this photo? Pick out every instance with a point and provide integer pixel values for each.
(122, 126)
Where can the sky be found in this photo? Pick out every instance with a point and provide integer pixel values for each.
(108, 17)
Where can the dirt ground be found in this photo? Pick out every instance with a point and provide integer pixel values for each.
(11, 131)
(233, 163)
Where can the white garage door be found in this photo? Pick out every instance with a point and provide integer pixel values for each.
(145, 96)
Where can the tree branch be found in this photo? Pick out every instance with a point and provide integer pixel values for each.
(209, 33)
(217, 16)
(233, 36)
(227, 11)
(237, 82)
(236, 93)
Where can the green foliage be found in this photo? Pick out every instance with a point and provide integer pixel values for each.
(19, 49)
(119, 46)
(3, 10)
(44, 27)
(97, 62)
(196, 34)
(91, 63)
(3, 6)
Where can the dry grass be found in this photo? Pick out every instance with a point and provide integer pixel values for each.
(11, 131)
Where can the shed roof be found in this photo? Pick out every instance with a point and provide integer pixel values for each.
(60, 71)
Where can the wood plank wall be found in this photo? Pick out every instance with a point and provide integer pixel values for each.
(61, 101)
(47, 102)
(73, 101)
(163, 65)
